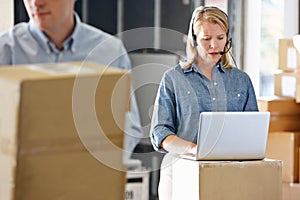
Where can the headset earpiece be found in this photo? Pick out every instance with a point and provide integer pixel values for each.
(194, 40)
(194, 37)
(228, 43)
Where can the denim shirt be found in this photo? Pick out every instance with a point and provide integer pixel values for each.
(184, 93)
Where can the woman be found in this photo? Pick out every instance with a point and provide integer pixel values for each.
(204, 82)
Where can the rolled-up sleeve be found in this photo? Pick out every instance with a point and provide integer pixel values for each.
(163, 119)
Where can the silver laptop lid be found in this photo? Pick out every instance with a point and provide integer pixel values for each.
(232, 135)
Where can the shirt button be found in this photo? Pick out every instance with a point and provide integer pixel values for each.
(215, 83)
(213, 98)
(188, 92)
(238, 95)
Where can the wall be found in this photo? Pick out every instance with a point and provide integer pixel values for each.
(291, 21)
(252, 41)
(6, 14)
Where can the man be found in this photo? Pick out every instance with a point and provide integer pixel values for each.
(56, 34)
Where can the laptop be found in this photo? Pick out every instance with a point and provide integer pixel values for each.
(232, 136)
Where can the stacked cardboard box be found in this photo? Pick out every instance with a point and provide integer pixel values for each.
(289, 58)
(287, 79)
(61, 131)
(291, 191)
(284, 112)
(284, 139)
(287, 83)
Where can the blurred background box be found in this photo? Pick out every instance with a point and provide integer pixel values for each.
(285, 146)
(289, 58)
(284, 112)
(61, 136)
(278, 105)
(286, 84)
(290, 191)
(284, 123)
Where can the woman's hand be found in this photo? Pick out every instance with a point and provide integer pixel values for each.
(193, 149)
(176, 145)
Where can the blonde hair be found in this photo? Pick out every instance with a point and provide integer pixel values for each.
(213, 15)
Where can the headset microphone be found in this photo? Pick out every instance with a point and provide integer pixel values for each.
(227, 44)
(223, 52)
(227, 50)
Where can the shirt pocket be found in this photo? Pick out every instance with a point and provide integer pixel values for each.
(237, 100)
(188, 105)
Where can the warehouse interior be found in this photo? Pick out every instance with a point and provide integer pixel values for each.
(264, 45)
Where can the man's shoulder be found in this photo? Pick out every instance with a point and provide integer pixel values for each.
(15, 33)
(97, 33)
(17, 30)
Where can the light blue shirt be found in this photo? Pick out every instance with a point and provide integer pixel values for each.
(26, 44)
(184, 93)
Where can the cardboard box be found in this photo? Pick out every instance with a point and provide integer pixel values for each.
(284, 112)
(234, 180)
(284, 123)
(289, 59)
(290, 191)
(61, 133)
(287, 84)
(285, 146)
(278, 105)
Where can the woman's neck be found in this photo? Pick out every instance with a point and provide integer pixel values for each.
(206, 68)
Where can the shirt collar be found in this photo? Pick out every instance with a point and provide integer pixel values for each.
(40, 37)
(75, 35)
(45, 42)
(194, 68)
(220, 66)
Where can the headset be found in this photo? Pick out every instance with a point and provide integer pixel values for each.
(229, 39)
